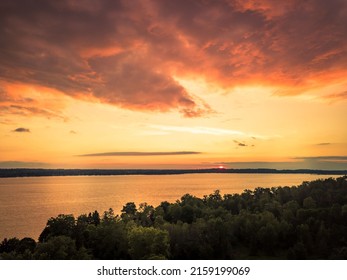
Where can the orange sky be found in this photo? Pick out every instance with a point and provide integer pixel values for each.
(173, 84)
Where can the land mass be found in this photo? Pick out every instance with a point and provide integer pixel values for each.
(30, 172)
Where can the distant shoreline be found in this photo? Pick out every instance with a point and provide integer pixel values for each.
(29, 172)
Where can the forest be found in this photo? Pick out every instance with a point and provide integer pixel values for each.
(308, 221)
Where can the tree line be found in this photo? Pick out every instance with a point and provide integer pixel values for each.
(308, 221)
(43, 172)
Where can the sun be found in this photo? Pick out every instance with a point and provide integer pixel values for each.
(221, 167)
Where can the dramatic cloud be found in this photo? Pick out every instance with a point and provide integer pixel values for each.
(128, 53)
(117, 154)
(21, 129)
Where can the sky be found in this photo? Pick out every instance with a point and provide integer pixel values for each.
(173, 84)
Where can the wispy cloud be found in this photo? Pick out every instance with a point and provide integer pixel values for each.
(336, 96)
(23, 164)
(211, 131)
(323, 144)
(21, 129)
(318, 163)
(29, 111)
(198, 130)
(324, 158)
(121, 154)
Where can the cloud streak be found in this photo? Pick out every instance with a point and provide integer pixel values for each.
(333, 97)
(198, 130)
(127, 54)
(23, 164)
(324, 158)
(318, 163)
(21, 130)
(139, 154)
(240, 143)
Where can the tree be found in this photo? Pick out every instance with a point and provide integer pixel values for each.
(129, 210)
(187, 214)
(26, 244)
(60, 248)
(108, 241)
(61, 225)
(213, 200)
(145, 215)
(96, 218)
(148, 243)
(309, 203)
(9, 245)
(109, 216)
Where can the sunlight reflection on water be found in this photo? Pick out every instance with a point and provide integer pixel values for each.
(27, 203)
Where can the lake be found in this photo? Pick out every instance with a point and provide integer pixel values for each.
(27, 203)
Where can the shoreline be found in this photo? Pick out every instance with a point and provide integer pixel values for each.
(36, 172)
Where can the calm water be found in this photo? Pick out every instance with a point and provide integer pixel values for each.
(27, 203)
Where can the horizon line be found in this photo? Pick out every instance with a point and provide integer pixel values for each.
(43, 172)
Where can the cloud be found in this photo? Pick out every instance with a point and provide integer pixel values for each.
(324, 158)
(211, 131)
(127, 54)
(21, 129)
(324, 162)
(30, 111)
(318, 163)
(323, 144)
(72, 132)
(198, 130)
(107, 154)
(342, 96)
(23, 164)
(14, 102)
(240, 144)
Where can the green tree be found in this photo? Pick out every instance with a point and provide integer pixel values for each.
(309, 203)
(61, 225)
(60, 248)
(108, 241)
(108, 216)
(128, 212)
(145, 215)
(148, 243)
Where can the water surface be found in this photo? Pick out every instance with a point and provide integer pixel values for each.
(27, 203)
